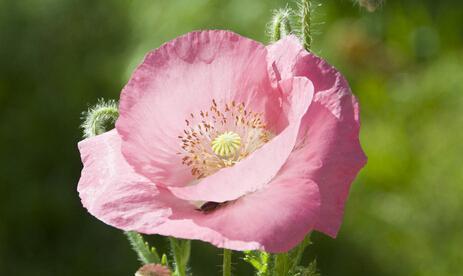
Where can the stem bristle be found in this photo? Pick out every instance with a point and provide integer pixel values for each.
(146, 254)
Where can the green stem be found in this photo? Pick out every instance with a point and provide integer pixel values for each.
(305, 7)
(146, 255)
(281, 266)
(181, 253)
(227, 264)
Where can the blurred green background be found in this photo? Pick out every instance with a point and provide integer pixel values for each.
(404, 62)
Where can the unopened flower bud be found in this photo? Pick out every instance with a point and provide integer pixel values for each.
(153, 270)
(280, 26)
(100, 118)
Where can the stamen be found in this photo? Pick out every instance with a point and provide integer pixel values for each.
(221, 136)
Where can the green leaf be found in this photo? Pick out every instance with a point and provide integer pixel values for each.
(310, 270)
(259, 260)
(146, 254)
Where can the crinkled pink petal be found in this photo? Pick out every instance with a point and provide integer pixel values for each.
(274, 219)
(183, 77)
(258, 169)
(287, 58)
(112, 191)
(328, 143)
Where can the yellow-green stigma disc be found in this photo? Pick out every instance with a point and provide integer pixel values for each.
(226, 144)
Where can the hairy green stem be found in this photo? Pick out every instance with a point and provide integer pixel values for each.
(181, 253)
(305, 17)
(227, 262)
(146, 255)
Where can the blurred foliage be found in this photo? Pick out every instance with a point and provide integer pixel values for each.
(404, 62)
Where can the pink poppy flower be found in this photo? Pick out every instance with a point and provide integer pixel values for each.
(224, 140)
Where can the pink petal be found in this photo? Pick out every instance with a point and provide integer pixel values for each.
(258, 169)
(328, 143)
(287, 58)
(183, 77)
(112, 191)
(274, 219)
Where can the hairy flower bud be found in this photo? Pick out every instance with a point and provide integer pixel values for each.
(100, 118)
(280, 26)
(153, 270)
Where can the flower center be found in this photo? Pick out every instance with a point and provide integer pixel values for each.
(220, 137)
(226, 144)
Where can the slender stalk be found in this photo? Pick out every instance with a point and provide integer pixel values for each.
(227, 264)
(181, 253)
(146, 255)
(305, 17)
(281, 266)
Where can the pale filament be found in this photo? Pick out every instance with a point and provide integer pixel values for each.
(220, 137)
